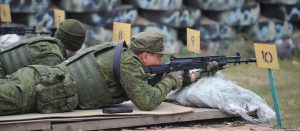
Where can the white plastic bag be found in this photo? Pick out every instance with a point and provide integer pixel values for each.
(225, 95)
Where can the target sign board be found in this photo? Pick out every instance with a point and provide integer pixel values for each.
(266, 56)
(59, 16)
(5, 15)
(193, 40)
(121, 32)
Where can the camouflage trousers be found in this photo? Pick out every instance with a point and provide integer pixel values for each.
(37, 88)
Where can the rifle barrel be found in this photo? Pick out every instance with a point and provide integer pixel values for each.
(249, 60)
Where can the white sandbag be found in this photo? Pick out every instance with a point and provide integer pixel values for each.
(8, 39)
(225, 95)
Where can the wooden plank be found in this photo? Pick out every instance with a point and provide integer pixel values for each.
(93, 123)
(162, 109)
(198, 114)
(67, 119)
(26, 126)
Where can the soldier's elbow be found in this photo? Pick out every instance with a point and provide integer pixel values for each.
(145, 107)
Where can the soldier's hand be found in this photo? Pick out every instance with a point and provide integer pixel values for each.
(177, 77)
(213, 68)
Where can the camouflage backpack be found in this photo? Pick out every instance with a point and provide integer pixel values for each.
(20, 54)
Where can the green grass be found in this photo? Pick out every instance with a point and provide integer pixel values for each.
(287, 81)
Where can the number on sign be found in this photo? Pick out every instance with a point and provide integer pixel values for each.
(193, 40)
(267, 56)
(120, 35)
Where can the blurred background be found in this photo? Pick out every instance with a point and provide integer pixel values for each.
(226, 26)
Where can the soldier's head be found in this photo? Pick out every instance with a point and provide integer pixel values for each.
(149, 47)
(72, 33)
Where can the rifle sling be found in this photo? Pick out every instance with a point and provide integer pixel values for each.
(117, 60)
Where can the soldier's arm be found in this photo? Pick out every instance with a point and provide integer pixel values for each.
(134, 81)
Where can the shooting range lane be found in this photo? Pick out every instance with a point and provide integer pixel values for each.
(95, 119)
(163, 109)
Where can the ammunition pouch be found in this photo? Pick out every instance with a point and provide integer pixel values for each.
(56, 91)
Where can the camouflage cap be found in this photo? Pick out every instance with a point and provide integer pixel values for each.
(151, 42)
(72, 33)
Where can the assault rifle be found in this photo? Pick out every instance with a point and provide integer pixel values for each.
(189, 63)
(23, 31)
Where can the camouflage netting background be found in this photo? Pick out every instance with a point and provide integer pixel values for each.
(225, 25)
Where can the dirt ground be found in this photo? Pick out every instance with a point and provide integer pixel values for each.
(236, 124)
(223, 127)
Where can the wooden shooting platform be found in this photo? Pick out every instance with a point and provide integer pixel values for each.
(95, 119)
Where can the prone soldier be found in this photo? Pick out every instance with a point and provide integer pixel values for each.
(50, 51)
(95, 77)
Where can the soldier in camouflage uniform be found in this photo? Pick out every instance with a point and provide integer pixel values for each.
(43, 50)
(87, 81)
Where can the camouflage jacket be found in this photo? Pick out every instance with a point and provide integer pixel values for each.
(133, 79)
(39, 50)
